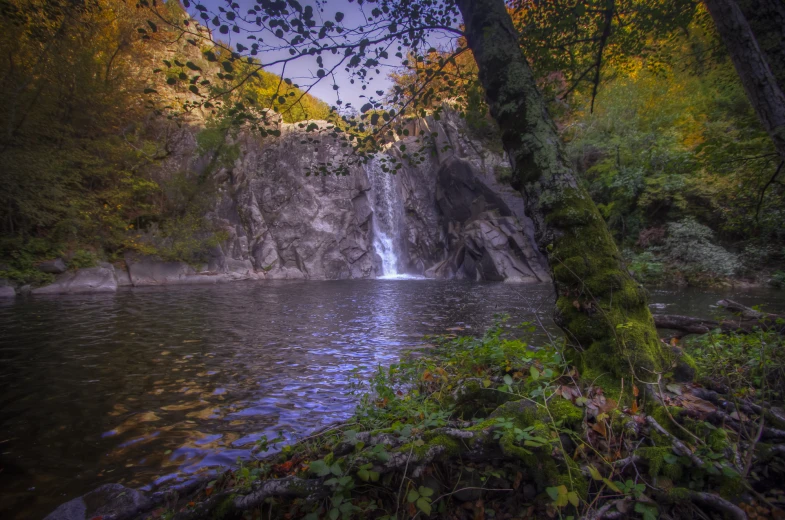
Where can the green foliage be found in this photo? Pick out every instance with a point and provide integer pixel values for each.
(676, 142)
(83, 258)
(19, 258)
(750, 365)
(689, 245)
(645, 267)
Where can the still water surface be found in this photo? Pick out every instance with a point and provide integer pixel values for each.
(147, 385)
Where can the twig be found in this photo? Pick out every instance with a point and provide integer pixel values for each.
(763, 191)
(678, 446)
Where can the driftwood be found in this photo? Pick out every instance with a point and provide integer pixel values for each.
(745, 321)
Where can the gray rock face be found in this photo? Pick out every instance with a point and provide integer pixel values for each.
(6, 291)
(453, 218)
(145, 271)
(56, 266)
(449, 215)
(108, 501)
(89, 280)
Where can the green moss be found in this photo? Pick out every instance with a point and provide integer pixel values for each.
(225, 508)
(661, 416)
(678, 495)
(732, 487)
(655, 458)
(718, 440)
(452, 446)
(603, 309)
(689, 361)
(563, 410)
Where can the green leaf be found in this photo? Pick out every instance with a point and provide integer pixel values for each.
(338, 16)
(412, 496)
(508, 379)
(611, 485)
(534, 373)
(573, 498)
(425, 491)
(320, 468)
(227, 65)
(553, 492)
(424, 505)
(595, 474)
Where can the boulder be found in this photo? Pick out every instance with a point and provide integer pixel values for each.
(6, 291)
(56, 266)
(108, 501)
(89, 280)
(146, 271)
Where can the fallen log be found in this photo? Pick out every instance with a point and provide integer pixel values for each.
(746, 321)
(691, 325)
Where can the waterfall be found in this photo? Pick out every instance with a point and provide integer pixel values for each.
(386, 205)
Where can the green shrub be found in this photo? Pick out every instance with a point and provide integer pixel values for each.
(689, 245)
(645, 267)
(82, 259)
(748, 364)
(778, 279)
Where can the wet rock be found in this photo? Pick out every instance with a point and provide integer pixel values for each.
(56, 266)
(110, 501)
(279, 223)
(89, 280)
(486, 240)
(468, 491)
(529, 492)
(6, 291)
(146, 271)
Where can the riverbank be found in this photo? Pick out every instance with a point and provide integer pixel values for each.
(493, 427)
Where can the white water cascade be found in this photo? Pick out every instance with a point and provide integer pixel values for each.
(386, 213)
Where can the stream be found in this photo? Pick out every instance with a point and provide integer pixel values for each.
(148, 385)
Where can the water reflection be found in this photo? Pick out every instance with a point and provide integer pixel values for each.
(147, 384)
(140, 385)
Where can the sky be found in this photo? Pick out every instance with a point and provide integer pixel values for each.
(304, 69)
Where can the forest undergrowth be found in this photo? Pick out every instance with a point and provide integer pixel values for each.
(497, 427)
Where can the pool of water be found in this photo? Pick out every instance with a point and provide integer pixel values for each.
(151, 384)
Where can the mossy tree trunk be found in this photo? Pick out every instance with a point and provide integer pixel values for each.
(603, 311)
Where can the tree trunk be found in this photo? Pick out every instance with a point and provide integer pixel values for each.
(761, 86)
(767, 21)
(600, 307)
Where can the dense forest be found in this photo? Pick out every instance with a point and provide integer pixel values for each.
(665, 138)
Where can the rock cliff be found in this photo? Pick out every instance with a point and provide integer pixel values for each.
(448, 216)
